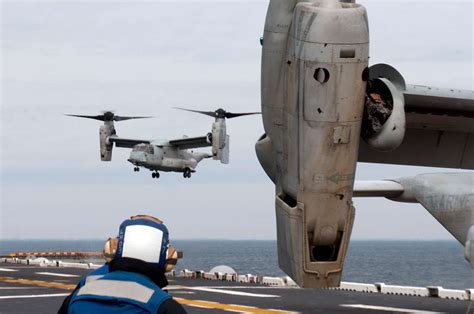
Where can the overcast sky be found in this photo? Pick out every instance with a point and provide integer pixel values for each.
(143, 58)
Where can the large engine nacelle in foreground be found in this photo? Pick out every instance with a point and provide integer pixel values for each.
(264, 150)
(314, 75)
(384, 123)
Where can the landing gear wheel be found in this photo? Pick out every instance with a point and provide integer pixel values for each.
(153, 175)
(187, 173)
(157, 174)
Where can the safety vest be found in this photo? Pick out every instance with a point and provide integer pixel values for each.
(94, 275)
(118, 292)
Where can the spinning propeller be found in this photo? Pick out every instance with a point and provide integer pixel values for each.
(106, 116)
(220, 113)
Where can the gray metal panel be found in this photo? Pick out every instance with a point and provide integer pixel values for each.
(425, 121)
(191, 142)
(439, 101)
(426, 148)
(126, 142)
(313, 61)
(378, 188)
(449, 197)
(439, 130)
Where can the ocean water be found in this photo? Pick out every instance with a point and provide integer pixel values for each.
(415, 263)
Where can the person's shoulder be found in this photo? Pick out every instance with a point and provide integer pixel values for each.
(170, 306)
(95, 274)
(102, 270)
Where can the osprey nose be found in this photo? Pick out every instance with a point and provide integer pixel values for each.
(137, 156)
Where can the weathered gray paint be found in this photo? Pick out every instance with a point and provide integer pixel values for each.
(313, 58)
(449, 197)
(439, 126)
(313, 128)
(393, 131)
(469, 248)
(381, 188)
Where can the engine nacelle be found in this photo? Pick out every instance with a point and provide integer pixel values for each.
(314, 76)
(106, 147)
(265, 152)
(220, 141)
(384, 115)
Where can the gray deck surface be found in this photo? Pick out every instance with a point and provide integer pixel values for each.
(199, 295)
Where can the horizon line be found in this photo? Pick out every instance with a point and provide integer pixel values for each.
(222, 239)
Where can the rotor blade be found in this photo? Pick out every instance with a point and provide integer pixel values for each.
(207, 113)
(98, 117)
(119, 118)
(230, 115)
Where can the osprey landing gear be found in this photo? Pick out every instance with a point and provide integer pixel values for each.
(187, 173)
(136, 169)
(155, 175)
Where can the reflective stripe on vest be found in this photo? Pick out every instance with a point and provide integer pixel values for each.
(93, 277)
(117, 289)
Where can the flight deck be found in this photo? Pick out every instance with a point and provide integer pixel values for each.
(40, 289)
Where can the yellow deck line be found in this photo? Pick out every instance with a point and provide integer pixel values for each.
(229, 307)
(39, 283)
(197, 303)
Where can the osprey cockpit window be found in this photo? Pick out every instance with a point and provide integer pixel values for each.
(149, 149)
(140, 147)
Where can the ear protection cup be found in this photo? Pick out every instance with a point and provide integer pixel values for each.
(171, 259)
(110, 248)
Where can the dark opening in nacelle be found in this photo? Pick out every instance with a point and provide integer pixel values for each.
(326, 253)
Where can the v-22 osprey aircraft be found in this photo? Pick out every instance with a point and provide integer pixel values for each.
(171, 155)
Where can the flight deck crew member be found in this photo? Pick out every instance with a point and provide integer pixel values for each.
(135, 275)
(110, 247)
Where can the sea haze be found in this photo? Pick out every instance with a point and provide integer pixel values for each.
(415, 263)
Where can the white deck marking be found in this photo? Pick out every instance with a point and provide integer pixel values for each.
(183, 292)
(33, 296)
(245, 294)
(237, 287)
(387, 308)
(19, 288)
(200, 306)
(174, 287)
(56, 274)
(26, 267)
(246, 306)
(7, 269)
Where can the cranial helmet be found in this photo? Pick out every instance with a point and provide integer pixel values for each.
(146, 238)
